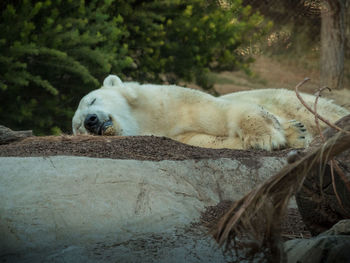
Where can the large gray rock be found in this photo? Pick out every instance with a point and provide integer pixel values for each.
(328, 247)
(78, 209)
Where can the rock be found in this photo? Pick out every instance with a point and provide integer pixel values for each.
(328, 247)
(7, 135)
(64, 208)
(341, 228)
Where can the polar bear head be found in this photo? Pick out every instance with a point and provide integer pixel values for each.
(106, 111)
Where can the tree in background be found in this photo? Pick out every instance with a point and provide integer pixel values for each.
(318, 27)
(54, 52)
(332, 43)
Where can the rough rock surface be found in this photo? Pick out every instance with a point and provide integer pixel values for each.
(145, 203)
(331, 246)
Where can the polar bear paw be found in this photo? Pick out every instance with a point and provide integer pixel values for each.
(273, 141)
(296, 134)
(262, 131)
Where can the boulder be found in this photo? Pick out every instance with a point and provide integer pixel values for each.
(331, 246)
(139, 202)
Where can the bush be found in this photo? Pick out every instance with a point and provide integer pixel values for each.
(187, 39)
(51, 54)
(54, 52)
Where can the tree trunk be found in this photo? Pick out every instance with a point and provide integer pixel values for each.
(347, 33)
(332, 43)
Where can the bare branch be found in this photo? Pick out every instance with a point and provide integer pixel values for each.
(312, 111)
(318, 94)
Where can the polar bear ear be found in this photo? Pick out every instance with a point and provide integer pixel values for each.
(112, 81)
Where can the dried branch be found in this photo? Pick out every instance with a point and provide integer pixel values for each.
(312, 111)
(335, 187)
(7, 135)
(318, 94)
(342, 176)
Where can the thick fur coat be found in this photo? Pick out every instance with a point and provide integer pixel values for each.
(262, 119)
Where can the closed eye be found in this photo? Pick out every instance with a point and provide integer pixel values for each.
(92, 102)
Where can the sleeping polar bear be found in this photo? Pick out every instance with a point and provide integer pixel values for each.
(261, 119)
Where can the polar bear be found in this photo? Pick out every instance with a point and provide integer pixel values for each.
(260, 119)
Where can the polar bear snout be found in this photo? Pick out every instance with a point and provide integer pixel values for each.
(103, 125)
(92, 123)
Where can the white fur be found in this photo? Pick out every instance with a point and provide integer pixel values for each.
(263, 119)
(112, 80)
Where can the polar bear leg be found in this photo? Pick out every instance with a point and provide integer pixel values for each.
(210, 141)
(252, 128)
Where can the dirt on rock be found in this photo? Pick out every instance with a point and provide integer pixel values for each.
(292, 226)
(116, 147)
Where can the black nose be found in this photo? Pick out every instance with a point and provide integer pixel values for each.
(91, 122)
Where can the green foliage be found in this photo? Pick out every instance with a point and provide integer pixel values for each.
(187, 39)
(53, 52)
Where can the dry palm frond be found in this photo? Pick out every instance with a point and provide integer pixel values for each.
(258, 214)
